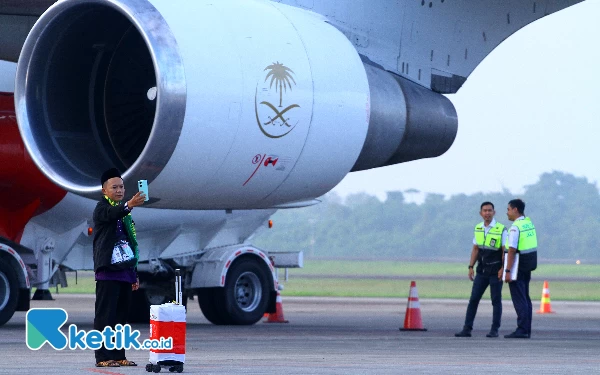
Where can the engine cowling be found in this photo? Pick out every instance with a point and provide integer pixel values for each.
(218, 104)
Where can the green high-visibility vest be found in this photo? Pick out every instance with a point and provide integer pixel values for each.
(527, 236)
(493, 239)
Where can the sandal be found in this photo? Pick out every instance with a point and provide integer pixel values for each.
(109, 363)
(126, 362)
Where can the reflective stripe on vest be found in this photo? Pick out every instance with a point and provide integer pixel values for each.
(527, 236)
(493, 239)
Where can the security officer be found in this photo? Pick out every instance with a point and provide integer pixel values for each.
(522, 242)
(490, 238)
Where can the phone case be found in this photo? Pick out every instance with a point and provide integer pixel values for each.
(143, 187)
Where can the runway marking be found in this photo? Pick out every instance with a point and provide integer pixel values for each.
(103, 371)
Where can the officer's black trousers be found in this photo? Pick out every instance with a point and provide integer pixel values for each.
(112, 307)
(519, 292)
(480, 284)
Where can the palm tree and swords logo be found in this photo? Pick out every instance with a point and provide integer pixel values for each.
(278, 122)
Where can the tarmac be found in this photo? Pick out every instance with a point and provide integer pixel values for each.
(340, 336)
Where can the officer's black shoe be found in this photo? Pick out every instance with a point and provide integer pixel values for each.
(516, 335)
(493, 333)
(464, 333)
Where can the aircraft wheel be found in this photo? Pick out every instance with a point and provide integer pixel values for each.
(246, 291)
(210, 302)
(244, 298)
(9, 291)
(139, 311)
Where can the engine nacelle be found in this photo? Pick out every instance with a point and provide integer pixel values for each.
(218, 104)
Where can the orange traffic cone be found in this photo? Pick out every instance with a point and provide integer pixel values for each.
(412, 319)
(545, 307)
(277, 316)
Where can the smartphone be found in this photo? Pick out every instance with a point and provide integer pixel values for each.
(143, 187)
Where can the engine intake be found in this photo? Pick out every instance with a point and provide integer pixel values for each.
(100, 84)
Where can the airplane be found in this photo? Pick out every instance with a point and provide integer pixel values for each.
(230, 110)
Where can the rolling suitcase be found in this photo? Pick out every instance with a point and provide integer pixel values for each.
(168, 320)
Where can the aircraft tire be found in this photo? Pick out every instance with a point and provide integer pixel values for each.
(139, 311)
(9, 292)
(209, 302)
(245, 296)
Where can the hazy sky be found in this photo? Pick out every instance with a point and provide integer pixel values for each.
(532, 106)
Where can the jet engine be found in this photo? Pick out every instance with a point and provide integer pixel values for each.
(218, 104)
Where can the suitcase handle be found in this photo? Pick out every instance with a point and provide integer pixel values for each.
(178, 292)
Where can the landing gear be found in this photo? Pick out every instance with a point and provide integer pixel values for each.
(139, 311)
(210, 301)
(244, 298)
(9, 292)
(42, 295)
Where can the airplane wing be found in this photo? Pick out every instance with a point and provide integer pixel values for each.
(434, 43)
(17, 17)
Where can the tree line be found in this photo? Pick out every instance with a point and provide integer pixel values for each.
(565, 210)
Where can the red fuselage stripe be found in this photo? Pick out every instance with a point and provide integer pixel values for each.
(26, 191)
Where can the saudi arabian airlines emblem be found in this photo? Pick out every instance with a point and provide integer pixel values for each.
(276, 112)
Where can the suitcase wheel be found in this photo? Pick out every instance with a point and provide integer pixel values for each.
(178, 368)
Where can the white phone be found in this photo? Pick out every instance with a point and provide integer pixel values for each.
(143, 187)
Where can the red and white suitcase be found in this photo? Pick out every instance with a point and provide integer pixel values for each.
(168, 320)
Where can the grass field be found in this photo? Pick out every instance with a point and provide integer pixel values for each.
(335, 267)
(297, 285)
(461, 289)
